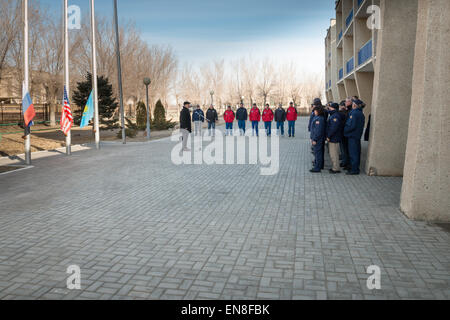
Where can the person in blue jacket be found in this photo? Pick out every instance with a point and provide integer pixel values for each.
(335, 125)
(198, 117)
(353, 131)
(318, 133)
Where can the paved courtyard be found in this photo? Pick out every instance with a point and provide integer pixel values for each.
(141, 227)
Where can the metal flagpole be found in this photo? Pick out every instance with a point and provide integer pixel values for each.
(94, 77)
(119, 73)
(26, 77)
(66, 71)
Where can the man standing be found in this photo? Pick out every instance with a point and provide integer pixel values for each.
(229, 117)
(291, 117)
(318, 128)
(334, 136)
(280, 118)
(212, 117)
(346, 157)
(198, 117)
(353, 130)
(255, 118)
(267, 118)
(242, 117)
(185, 124)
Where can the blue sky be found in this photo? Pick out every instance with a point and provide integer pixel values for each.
(201, 30)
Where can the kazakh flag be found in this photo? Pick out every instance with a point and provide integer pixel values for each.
(88, 112)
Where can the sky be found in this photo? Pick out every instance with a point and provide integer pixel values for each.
(201, 31)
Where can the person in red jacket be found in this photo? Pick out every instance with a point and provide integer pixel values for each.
(291, 117)
(255, 118)
(229, 117)
(267, 117)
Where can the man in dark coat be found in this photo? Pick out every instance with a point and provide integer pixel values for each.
(242, 117)
(353, 130)
(212, 117)
(185, 124)
(280, 118)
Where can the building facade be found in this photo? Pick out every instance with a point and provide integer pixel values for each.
(383, 51)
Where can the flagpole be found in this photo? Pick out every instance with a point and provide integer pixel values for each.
(119, 74)
(66, 71)
(94, 77)
(26, 77)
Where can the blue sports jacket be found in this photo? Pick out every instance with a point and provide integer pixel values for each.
(354, 127)
(318, 129)
(334, 127)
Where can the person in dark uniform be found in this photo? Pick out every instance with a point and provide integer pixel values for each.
(346, 109)
(353, 130)
(318, 130)
(185, 124)
(334, 136)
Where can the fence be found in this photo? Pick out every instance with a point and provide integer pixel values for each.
(12, 114)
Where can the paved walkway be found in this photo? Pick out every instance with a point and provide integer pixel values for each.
(141, 227)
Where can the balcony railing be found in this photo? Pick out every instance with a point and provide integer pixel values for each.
(341, 73)
(329, 85)
(365, 53)
(349, 18)
(350, 65)
(340, 35)
(360, 2)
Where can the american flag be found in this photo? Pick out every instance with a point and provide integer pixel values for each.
(66, 116)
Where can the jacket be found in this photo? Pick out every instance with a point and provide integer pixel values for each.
(198, 115)
(280, 115)
(334, 127)
(267, 115)
(318, 129)
(255, 114)
(292, 114)
(354, 127)
(229, 116)
(185, 119)
(212, 116)
(242, 114)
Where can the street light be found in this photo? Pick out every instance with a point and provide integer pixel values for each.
(212, 97)
(147, 82)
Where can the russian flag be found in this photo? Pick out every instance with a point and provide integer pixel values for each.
(28, 108)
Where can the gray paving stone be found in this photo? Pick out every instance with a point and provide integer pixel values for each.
(141, 227)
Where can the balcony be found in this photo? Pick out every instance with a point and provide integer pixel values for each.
(340, 36)
(341, 73)
(360, 2)
(365, 53)
(349, 19)
(350, 65)
(329, 84)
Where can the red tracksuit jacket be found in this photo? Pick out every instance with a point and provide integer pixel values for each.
(255, 114)
(267, 115)
(228, 116)
(291, 114)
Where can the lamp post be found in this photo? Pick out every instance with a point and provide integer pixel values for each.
(212, 97)
(119, 75)
(147, 82)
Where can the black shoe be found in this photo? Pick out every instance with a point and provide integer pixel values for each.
(334, 172)
(314, 171)
(352, 174)
(343, 165)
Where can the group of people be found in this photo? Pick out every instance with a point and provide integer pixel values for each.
(280, 116)
(342, 126)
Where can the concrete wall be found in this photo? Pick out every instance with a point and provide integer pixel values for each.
(426, 186)
(392, 87)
